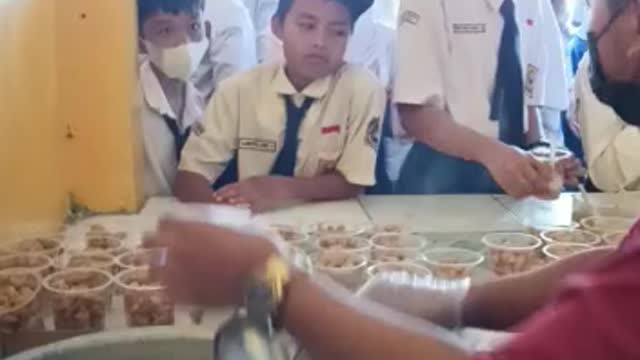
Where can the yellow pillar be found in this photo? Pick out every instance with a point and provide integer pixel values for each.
(31, 183)
(67, 81)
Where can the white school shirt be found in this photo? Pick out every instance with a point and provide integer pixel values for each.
(447, 55)
(232, 47)
(247, 115)
(371, 45)
(160, 161)
(261, 12)
(611, 146)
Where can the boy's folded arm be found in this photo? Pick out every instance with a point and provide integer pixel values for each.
(192, 187)
(324, 187)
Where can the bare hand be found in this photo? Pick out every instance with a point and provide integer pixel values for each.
(259, 193)
(206, 264)
(518, 173)
(572, 171)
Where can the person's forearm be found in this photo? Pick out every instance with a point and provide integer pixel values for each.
(323, 188)
(504, 303)
(359, 330)
(436, 128)
(192, 187)
(536, 129)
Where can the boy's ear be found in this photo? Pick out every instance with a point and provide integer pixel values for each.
(277, 27)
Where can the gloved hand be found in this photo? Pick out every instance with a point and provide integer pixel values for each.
(437, 300)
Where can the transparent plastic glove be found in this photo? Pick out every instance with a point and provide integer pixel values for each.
(437, 300)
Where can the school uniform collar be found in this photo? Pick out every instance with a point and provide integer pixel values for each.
(155, 98)
(495, 4)
(315, 90)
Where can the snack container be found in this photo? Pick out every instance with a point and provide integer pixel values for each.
(570, 236)
(98, 259)
(41, 264)
(511, 253)
(79, 298)
(346, 268)
(552, 157)
(145, 300)
(335, 228)
(20, 307)
(410, 268)
(50, 245)
(557, 251)
(292, 235)
(606, 224)
(343, 242)
(105, 242)
(396, 247)
(452, 263)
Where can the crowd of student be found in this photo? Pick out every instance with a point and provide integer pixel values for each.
(266, 102)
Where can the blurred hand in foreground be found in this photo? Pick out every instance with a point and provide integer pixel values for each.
(206, 264)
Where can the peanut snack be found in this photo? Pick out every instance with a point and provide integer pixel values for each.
(452, 263)
(19, 305)
(338, 259)
(145, 300)
(342, 242)
(571, 236)
(511, 253)
(105, 242)
(41, 264)
(49, 246)
(93, 260)
(346, 268)
(79, 298)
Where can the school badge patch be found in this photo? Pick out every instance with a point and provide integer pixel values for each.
(373, 133)
(530, 83)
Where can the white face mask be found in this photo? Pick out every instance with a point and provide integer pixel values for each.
(179, 62)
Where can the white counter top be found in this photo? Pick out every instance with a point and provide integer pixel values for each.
(442, 213)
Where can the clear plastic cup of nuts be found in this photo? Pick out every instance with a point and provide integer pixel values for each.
(335, 228)
(347, 243)
(452, 263)
(570, 236)
(557, 251)
(39, 263)
(291, 235)
(399, 267)
(552, 157)
(105, 242)
(346, 268)
(511, 253)
(395, 247)
(79, 298)
(97, 259)
(50, 246)
(20, 308)
(145, 300)
(141, 258)
(606, 224)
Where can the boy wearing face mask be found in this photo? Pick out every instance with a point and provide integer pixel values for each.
(608, 107)
(305, 130)
(172, 41)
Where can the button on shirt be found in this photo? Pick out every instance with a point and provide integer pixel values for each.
(160, 160)
(595, 317)
(247, 117)
(611, 146)
(232, 46)
(447, 57)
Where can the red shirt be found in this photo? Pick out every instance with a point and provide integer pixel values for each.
(596, 317)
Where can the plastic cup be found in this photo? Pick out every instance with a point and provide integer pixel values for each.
(373, 230)
(606, 224)
(346, 268)
(41, 264)
(79, 298)
(557, 251)
(141, 258)
(511, 253)
(145, 300)
(452, 263)
(343, 242)
(50, 246)
(105, 242)
(20, 308)
(570, 236)
(399, 267)
(552, 157)
(292, 235)
(395, 247)
(335, 228)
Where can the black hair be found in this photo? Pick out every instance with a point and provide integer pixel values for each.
(147, 8)
(355, 8)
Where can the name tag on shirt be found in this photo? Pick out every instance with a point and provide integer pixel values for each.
(257, 145)
(469, 28)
